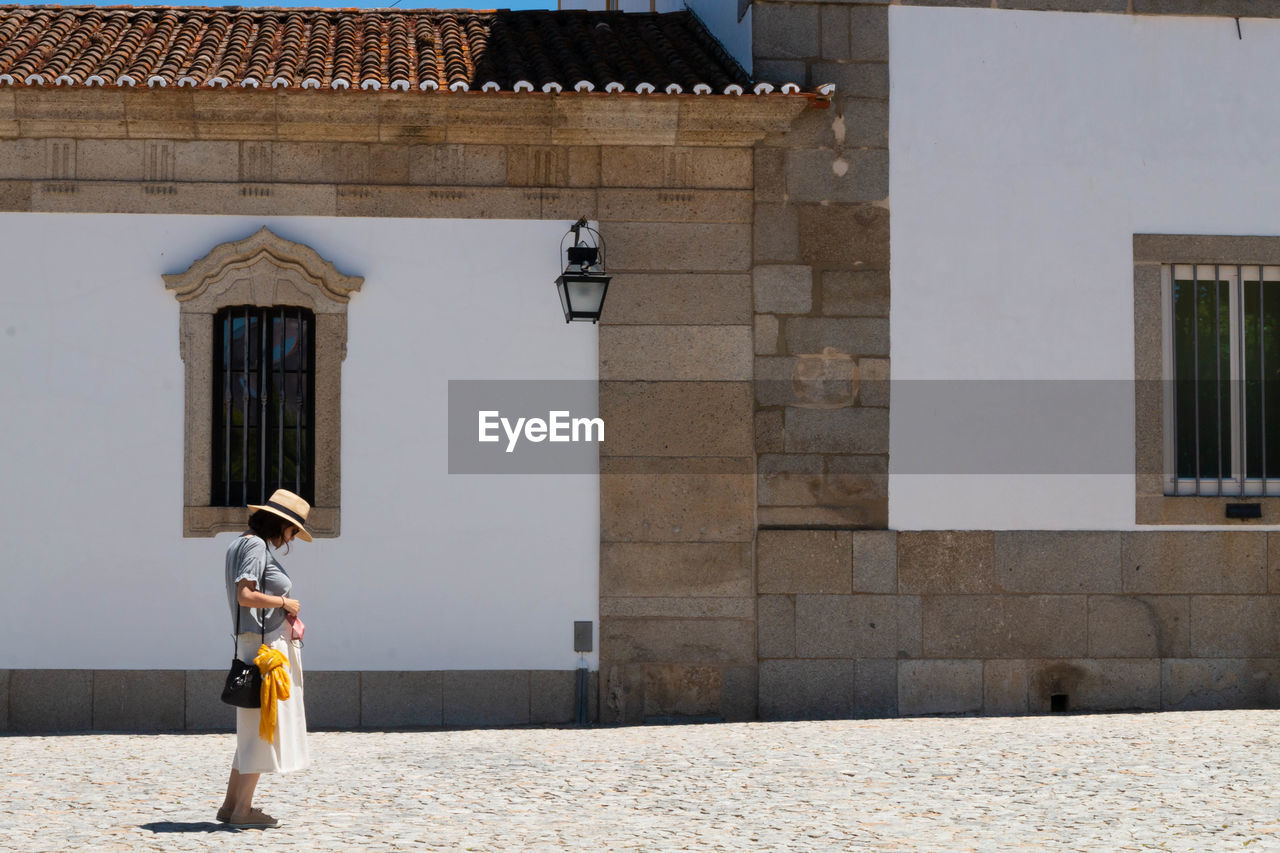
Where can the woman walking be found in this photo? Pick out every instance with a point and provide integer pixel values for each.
(259, 589)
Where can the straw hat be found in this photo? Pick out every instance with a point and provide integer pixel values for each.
(291, 508)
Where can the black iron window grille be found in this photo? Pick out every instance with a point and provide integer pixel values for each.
(1223, 345)
(264, 404)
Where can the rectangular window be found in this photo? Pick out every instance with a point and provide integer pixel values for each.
(1222, 357)
(263, 393)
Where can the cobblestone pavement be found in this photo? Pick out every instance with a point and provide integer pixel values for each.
(1170, 781)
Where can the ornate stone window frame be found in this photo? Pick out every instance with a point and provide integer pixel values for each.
(1152, 252)
(263, 270)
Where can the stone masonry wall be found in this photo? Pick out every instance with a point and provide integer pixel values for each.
(882, 623)
(820, 272)
(671, 182)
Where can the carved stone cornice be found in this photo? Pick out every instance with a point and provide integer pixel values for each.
(270, 270)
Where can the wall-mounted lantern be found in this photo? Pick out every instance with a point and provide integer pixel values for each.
(584, 282)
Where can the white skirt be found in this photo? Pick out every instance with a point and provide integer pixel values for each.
(287, 752)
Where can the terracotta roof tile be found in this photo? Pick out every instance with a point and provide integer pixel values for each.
(161, 46)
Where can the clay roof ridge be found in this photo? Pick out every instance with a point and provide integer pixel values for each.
(463, 50)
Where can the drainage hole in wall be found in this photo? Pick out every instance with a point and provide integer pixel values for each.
(1058, 703)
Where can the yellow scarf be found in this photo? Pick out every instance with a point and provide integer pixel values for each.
(275, 685)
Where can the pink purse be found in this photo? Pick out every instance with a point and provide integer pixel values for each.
(296, 627)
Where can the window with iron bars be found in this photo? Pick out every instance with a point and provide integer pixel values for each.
(1222, 352)
(263, 396)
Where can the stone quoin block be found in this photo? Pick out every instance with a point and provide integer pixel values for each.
(910, 626)
(15, 196)
(739, 695)
(1205, 562)
(875, 560)
(875, 688)
(1139, 626)
(50, 700)
(765, 334)
(865, 122)
(553, 696)
(1234, 626)
(677, 690)
(25, 159)
(869, 33)
(845, 177)
(856, 336)
(705, 502)
(662, 641)
(1058, 561)
(807, 689)
(835, 32)
(1000, 626)
(844, 235)
(332, 699)
(110, 159)
(676, 167)
(775, 234)
(1005, 687)
(782, 288)
(767, 166)
(1095, 685)
(486, 697)
(946, 561)
(848, 430)
(804, 561)
(774, 381)
(139, 700)
(1207, 685)
(676, 418)
(770, 433)
(674, 299)
(666, 353)
(678, 246)
(665, 205)
(205, 709)
(400, 699)
(799, 480)
(939, 687)
(206, 161)
(846, 626)
(677, 568)
(784, 31)
(855, 293)
(776, 626)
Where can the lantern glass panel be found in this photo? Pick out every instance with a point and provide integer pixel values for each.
(585, 296)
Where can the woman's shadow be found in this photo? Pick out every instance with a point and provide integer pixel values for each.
(203, 826)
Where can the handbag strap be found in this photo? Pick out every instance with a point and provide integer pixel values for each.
(261, 580)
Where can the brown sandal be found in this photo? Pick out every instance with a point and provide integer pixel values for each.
(256, 819)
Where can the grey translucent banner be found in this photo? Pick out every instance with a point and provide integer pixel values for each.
(499, 426)
(963, 427)
(1013, 426)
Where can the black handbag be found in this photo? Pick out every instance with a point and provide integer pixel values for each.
(243, 687)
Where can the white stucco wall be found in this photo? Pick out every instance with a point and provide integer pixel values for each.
(1026, 150)
(432, 570)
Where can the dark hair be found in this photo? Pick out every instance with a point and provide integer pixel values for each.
(269, 526)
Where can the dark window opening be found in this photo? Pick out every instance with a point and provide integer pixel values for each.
(264, 404)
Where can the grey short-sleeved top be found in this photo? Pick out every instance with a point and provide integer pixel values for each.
(245, 559)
